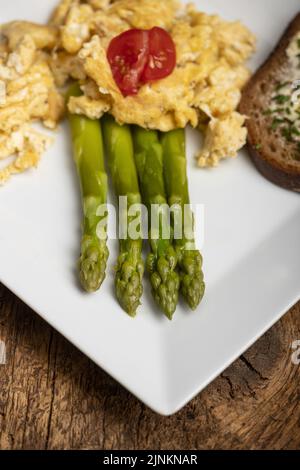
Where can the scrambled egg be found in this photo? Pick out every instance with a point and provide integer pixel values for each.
(204, 90)
(27, 93)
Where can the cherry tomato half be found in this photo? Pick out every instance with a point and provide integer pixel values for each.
(141, 56)
(128, 55)
(162, 56)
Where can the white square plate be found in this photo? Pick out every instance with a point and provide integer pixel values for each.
(251, 253)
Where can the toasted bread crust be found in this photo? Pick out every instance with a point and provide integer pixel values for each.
(274, 174)
(281, 171)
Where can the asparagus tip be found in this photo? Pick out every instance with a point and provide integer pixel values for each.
(191, 278)
(165, 281)
(92, 264)
(129, 276)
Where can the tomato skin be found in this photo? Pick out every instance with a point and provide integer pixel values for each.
(137, 57)
(128, 55)
(162, 56)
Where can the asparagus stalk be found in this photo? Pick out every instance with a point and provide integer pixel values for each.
(130, 266)
(162, 261)
(189, 258)
(89, 159)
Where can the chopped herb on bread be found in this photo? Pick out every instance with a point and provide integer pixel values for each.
(271, 100)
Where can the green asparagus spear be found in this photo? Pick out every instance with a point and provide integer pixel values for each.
(89, 159)
(189, 258)
(130, 266)
(162, 261)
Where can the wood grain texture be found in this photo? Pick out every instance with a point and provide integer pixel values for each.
(53, 397)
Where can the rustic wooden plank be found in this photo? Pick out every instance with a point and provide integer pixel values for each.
(25, 382)
(52, 396)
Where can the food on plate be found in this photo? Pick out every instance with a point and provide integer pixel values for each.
(44, 37)
(89, 159)
(162, 261)
(27, 94)
(203, 90)
(272, 102)
(130, 266)
(189, 258)
(142, 70)
(140, 56)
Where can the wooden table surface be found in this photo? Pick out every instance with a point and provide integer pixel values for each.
(53, 397)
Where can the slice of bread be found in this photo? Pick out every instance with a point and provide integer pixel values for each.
(274, 149)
